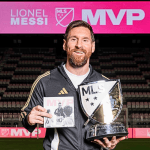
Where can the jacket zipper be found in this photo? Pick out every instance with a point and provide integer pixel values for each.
(79, 105)
(79, 123)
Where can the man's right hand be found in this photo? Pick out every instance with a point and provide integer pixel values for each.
(36, 115)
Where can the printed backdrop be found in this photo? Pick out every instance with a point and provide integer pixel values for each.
(20, 132)
(53, 17)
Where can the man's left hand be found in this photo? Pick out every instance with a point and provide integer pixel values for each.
(109, 144)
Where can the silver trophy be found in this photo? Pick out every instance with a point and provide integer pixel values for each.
(102, 101)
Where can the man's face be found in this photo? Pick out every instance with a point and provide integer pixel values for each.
(59, 105)
(79, 46)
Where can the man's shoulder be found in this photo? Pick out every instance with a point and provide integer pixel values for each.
(105, 77)
(43, 76)
(100, 76)
(41, 79)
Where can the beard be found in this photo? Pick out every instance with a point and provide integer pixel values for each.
(78, 61)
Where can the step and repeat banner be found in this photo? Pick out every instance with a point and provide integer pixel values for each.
(20, 132)
(54, 17)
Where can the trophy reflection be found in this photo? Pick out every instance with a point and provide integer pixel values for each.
(102, 101)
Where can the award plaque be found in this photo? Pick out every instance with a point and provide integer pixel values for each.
(102, 101)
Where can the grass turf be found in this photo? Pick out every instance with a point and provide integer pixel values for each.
(37, 144)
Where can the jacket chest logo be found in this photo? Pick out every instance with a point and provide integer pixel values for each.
(63, 91)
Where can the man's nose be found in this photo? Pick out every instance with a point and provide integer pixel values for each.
(78, 44)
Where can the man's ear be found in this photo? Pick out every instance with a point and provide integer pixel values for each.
(93, 47)
(64, 45)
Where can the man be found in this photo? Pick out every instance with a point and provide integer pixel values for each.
(68, 121)
(49, 121)
(79, 44)
(59, 113)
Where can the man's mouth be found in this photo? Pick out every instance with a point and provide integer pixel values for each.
(79, 52)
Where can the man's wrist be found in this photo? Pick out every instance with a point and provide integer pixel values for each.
(29, 122)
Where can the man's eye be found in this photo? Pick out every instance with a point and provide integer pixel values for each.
(85, 40)
(73, 39)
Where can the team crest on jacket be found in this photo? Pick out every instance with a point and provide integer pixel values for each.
(64, 16)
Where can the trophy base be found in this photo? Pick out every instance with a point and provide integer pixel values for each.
(99, 131)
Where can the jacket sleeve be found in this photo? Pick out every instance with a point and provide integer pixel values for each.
(35, 98)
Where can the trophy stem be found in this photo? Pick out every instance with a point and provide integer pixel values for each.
(86, 122)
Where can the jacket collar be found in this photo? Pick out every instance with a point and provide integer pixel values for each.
(88, 79)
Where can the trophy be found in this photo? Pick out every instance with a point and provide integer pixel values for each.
(102, 101)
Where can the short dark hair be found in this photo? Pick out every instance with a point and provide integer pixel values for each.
(68, 110)
(79, 23)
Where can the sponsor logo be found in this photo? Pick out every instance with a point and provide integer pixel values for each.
(64, 16)
(102, 15)
(63, 91)
(28, 17)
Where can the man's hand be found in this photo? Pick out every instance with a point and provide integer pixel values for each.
(36, 115)
(109, 144)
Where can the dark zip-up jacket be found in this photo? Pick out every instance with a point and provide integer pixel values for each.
(50, 84)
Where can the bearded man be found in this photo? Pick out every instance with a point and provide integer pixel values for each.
(79, 44)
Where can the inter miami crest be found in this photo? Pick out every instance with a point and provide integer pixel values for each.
(64, 16)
